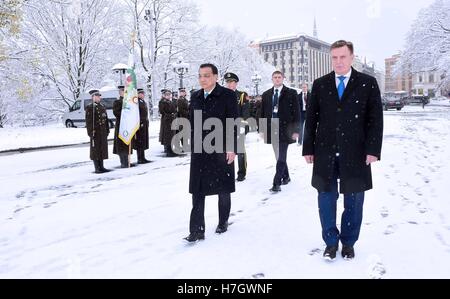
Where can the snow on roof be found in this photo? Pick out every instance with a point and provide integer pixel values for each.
(285, 37)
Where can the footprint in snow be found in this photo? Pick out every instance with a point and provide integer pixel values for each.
(376, 269)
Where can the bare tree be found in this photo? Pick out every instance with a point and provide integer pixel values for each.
(70, 43)
(428, 42)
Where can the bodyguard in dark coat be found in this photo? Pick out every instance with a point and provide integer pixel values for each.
(141, 139)
(97, 126)
(343, 136)
(280, 110)
(211, 173)
(243, 104)
(168, 110)
(303, 98)
(120, 148)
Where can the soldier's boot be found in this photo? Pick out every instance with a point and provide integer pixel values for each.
(123, 161)
(141, 157)
(102, 167)
(170, 152)
(97, 166)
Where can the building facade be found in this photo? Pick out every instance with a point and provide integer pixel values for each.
(427, 84)
(301, 58)
(396, 83)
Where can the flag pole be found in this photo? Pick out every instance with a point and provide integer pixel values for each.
(133, 40)
(93, 123)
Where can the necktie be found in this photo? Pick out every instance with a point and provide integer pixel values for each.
(275, 104)
(341, 87)
(206, 95)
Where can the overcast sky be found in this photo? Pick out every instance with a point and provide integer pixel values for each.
(377, 27)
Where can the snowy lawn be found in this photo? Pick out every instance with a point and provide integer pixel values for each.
(59, 220)
(55, 134)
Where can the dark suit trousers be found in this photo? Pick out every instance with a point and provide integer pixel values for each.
(351, 217)
(302, 125)
(282, 167)
(197, 222)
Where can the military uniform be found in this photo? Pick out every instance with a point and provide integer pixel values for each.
(168, 110)
(97, 126)
(244, 113)
(120, 148)
(141, 139)
(182, 109)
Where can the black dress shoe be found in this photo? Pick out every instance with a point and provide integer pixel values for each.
(285, 181)
(194, 237)
(240, 178)
(275, 189)
(145, 161)
(348, 252)
(330, 253)
(222, 228)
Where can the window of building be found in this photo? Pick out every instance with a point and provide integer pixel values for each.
(431, 78)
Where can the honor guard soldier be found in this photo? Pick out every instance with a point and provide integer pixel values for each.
(168, 111)
(141, 139)
(232, 80)
(97, 126)
(120, 148)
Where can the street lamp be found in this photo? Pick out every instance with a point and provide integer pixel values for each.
(120, 69)
(256, 79)
(181, 69)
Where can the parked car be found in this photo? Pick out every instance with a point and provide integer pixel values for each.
(76, 116)
(393, 103)
(419, 99)
(441, 98)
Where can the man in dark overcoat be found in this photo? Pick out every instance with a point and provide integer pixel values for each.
(279, 122)
(343, 137)
(212, 163)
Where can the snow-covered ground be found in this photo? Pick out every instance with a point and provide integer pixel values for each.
(59, 220)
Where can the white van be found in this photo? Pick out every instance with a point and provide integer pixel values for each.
(76, 117)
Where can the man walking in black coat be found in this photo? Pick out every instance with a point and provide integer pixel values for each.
(279, 122)
(343, 137)
(212, 171)
(303, 102)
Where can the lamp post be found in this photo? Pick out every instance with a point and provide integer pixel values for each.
(120, 69)
(256, 79)
(181, 69)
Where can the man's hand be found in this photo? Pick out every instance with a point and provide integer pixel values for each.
(231, 157)
(309, 159)
(371, 159)
(295, 136)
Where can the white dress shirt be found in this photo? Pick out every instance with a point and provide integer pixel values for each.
(279, 92)
(347, 78)
(304, 94)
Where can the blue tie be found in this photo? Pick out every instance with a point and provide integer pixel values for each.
(341, 87)
(206, 95)
(275, 103)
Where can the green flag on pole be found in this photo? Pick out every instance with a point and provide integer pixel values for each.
(129, 120)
